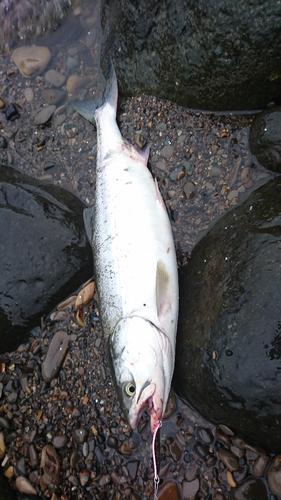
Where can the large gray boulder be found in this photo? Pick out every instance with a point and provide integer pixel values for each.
(228, 362)
(44, 252)
(220, 55)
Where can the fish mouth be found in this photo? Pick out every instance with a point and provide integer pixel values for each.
(145, 400)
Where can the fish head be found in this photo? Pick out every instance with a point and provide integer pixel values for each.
(139, 368)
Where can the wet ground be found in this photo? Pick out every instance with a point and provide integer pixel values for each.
(204, 168)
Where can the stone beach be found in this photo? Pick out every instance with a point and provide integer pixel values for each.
(62, 433)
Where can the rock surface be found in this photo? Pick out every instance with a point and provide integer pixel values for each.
(44, 252)
(228, 344)
(219, 55)
(265, 138)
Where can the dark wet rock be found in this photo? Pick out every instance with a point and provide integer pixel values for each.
(228, 341)
(228, 459)
(175, 450)
(240, 474)
(128, 447)
(80, 435)
(265, 138)
(274, 476)
(190, 488)
(251, 488)
(55, 355)
(44, 252)
(51, 467)
(199, 55)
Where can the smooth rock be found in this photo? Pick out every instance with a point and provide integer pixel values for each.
(24, 486)
(245, 175)
(60, 441)
(55, 78)
(226, 340)
(205, 435)
(167, 151)
(80, 435)
(168, 491)
(175, 451)
(43, 259)
(274, 476)
(260, 466)
(51, 467)
(251, 489)
(265, 138)
(189, 190)
(190, 488)
(44, 115)
(84, 477)
(29, 94)
(53, 96)
(55, 355)
(228, 459)
(191, 472)
(33, 456)
(31, 61)
(2, 445)
(76, 82)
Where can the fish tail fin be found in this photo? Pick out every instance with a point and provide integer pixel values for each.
(88, 107)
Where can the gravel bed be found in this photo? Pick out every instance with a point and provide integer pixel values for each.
(67, 437)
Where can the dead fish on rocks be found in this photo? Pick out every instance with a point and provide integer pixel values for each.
(135, 265)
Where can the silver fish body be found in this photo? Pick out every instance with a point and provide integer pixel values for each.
(135, 267)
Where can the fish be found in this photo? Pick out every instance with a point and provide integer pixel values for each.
(135, 265)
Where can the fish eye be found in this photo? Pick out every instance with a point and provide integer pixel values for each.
(130, 389)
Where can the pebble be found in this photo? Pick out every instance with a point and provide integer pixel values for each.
(216, 172)
(167, 151)
(73, 480)
(168, 491)
(4, 423)
(55, 78)
(189, 190)
(55, 355)
(191, 472)
(128, 447)
(274, 476)
(2, 445)
(245, 175)
(80, 435)
(44, 115)
(85, 295)
(59, 316)
(205, 435)
(51, 467)
(29, 94)
(175, 451)
(84, 477)
(250, 489)
(230, 479)
(31, 61)
(228, 459)
(233, 194)
(53, 96)
(2, 103)
(33, 456)
(190, 488)
(260, 466)
(21, 467)
(171, 405)
(76, 82)
(60, 441)
(24, 486)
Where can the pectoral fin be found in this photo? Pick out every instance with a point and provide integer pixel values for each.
(163, 290)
